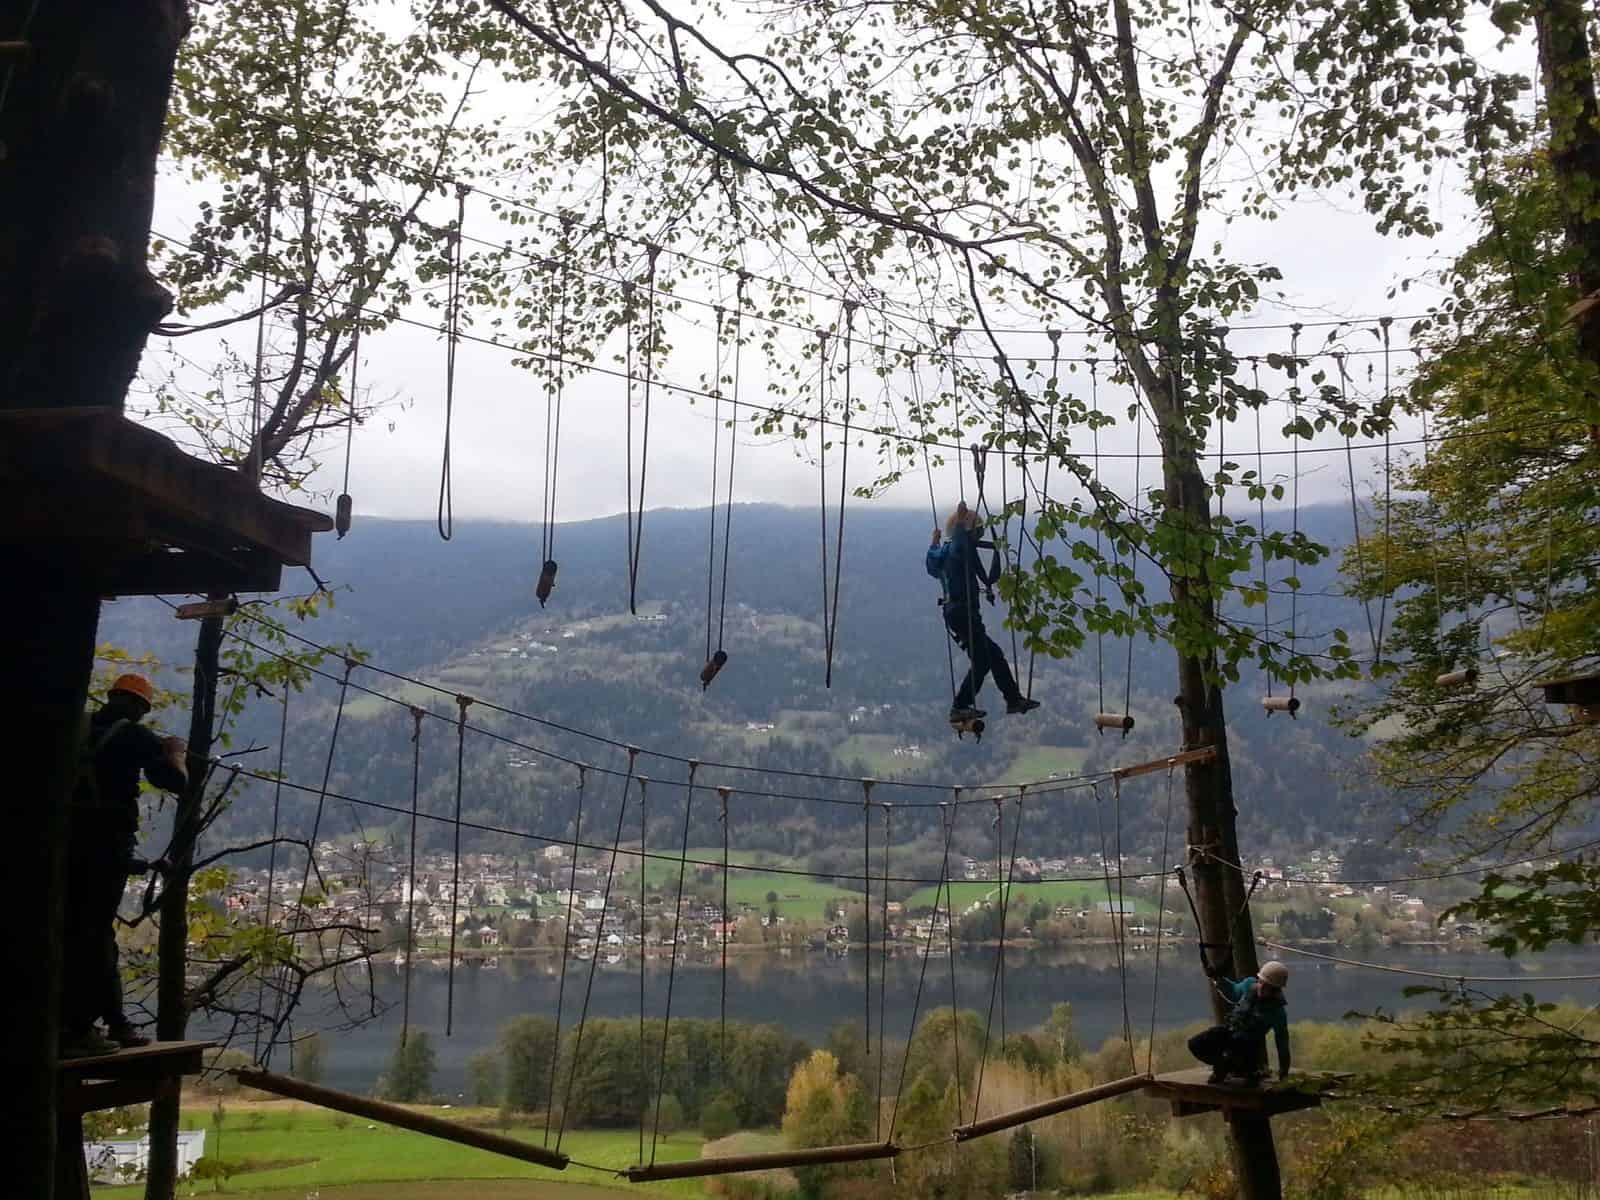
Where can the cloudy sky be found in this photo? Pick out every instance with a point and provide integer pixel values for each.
(1333, 264)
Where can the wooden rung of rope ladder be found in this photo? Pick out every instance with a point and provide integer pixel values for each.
(734, 1163)
(400, 1117)
(1049, 1108)
(1204, 754)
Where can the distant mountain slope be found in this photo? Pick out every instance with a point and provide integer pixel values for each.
(463, 613)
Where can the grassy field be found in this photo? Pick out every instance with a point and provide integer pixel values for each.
(799, 897)
(292, 1148)
(1085, 895)
(1041, 762)
(874, 749)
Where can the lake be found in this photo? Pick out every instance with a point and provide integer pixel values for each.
(809, 993)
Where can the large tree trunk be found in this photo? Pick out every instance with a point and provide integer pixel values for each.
(1567, 69)
(80, 129)
(1219, 888)
(172, 947)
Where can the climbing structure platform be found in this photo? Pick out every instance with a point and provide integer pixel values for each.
(92, 491)
(1191, 1094)
(135, 1076)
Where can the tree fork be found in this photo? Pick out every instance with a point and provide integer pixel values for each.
(1208, 786)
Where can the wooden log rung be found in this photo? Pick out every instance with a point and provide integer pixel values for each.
(1122, 721)
(735, 1163)
(1454, 679)
(1288, 704)
(1049, 1108)
(1202, 755)
(401, 1118)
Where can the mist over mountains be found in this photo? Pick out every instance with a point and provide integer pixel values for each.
(462, 614)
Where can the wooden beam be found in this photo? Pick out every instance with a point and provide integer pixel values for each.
(1204, 754)
(157, 1060)
(1191, 1092)
(81, 1097)
(731, 1164)
(400, 1117)
(1049, 1108)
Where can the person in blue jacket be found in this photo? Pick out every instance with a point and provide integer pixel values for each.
(1235, 1048)
(953, 560)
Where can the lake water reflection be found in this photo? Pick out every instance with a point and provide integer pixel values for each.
(809, 993)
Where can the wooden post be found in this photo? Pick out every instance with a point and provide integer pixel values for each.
(734, 1163)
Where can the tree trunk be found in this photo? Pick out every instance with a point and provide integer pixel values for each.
(80, 129)
(44, 669)
(172, 954)
(1567, 69)
(1219, 889)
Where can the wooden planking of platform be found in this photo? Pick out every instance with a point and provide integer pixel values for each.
(134, 1076)
(91, 489)
(1191, 1094)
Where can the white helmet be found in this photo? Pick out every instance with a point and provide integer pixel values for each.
(1274, 973)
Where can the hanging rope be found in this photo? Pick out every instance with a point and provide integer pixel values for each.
(462, 704)
(566, 951)
(949, 814)
(1161, 914)
(1388, 483)
(256, 461)
(311, 845)
(272, 861)
(1261, 519)
(933, 508)
(1355, 512)
(411, 868)
(733, 450)
(922, 974)
(605, 907)
(722, 1005)
(883, 967)
(644, 1063)
(844, 482)
(866, 905)
(636, 519)
(672, 969)
(997, 983)
(709, 671)
(446, 515)
(822, 485)
(1044, 496)
(555, 382)
(1099, 555)
(344, 507)
(1114, 903)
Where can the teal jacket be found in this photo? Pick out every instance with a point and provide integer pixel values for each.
(1254, 1016)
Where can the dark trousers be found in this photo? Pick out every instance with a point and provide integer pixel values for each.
(966, 626)
(91, 984)
(1222, 1048)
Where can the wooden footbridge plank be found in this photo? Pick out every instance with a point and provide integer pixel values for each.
(1191, 1092)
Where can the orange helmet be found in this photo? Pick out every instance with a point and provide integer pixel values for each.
(134, 685)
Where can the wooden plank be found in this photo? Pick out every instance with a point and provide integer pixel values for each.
(80, 1097)
(1049, 1108)
(1202, 755)
(156, 1059)
(730, 1164)
(1191, 1092)
(401, 1118)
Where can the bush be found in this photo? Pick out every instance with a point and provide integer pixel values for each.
(719, 1118)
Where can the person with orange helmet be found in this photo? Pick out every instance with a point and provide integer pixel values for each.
(103, 830)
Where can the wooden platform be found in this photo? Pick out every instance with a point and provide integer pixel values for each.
(94, 491)
(1191, 1094)
(135, 1076)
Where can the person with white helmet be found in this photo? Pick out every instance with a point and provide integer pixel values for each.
(1235, 1048)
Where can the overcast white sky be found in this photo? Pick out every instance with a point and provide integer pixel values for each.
(1333, 265)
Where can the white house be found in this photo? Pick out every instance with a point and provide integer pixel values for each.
(124, 1160)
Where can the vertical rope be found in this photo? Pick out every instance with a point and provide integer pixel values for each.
(644, 1063)
(446, 514)
(1161, 915)
(949, 812)
(272, 862)
(844, 482)
(1044, 498)
(997, 982)
(672, 969)
(256, 461)
(716, 461)
(566, 950)
(462, 704)
(922, 975)
(1388, 485)
(933, 508)
(1127, 676)
(411, 868)
(605, 907)
(883, 967)
(822, 485)
(1261, 520)
(1099, 555)
(631, 311)
(1116, 914)
(866, 907)
(1294, 503)
(636, 527)
(1355, 511)
(722, 1005)
(733, 450)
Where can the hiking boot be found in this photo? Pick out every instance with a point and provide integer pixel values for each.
(87, 1044)
(1021, 705)
(967, 714)
(125, 1035)
(1217, 1077)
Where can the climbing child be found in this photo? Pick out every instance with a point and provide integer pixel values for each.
(1236, 1047)
(955, 563)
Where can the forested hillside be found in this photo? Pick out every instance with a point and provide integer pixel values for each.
(462, 614)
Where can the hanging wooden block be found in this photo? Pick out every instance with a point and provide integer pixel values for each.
(713, 664)
(341, 516)
(547, 581)
(1288, 704)
(201, 609)
(1455, 679)
(1122, 721)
